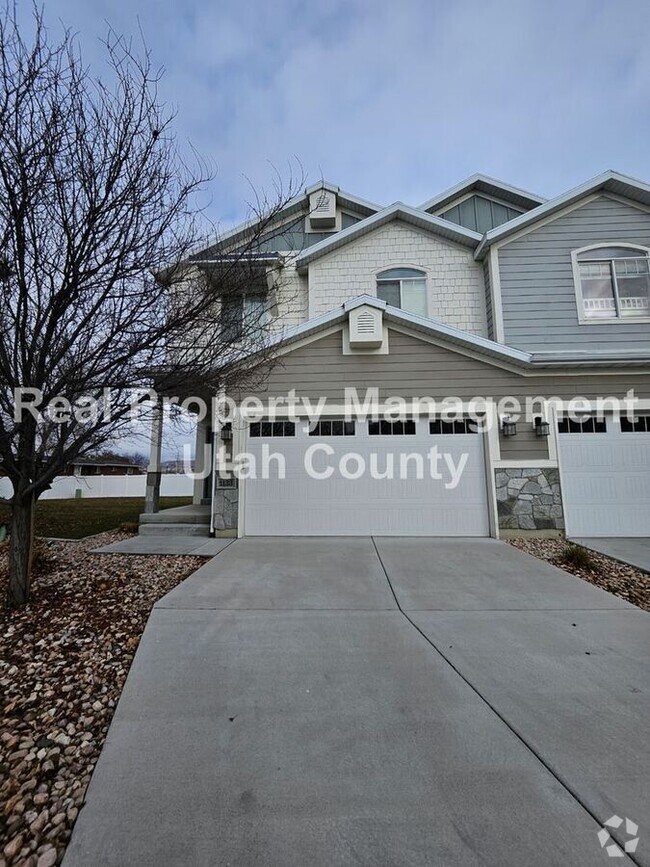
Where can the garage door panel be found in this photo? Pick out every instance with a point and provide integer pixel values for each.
(374, 520)
(301, 505)
(606, 482)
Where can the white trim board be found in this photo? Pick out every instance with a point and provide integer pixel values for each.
(533, 463)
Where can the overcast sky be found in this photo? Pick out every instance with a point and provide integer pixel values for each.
(395, 100)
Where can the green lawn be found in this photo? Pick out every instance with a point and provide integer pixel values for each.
(74, 519)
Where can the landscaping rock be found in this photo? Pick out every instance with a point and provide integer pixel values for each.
(63, 662)
(48, 858)
(623, 581)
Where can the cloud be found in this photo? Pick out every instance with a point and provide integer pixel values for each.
(397, 100)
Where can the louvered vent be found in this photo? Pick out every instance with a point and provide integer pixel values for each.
(366, 328)
(322, 203)
(366, 323)
(322, 209)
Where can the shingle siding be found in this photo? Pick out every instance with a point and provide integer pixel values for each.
(537, 286)
(488, 299)
(456, 292)
(291, 298)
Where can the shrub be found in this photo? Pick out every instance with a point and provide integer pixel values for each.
(578, 557)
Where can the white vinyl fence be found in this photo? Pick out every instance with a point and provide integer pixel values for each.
(65, 487)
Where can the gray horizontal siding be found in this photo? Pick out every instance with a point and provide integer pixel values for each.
(537, 288)
(418, 369)
(526, 445)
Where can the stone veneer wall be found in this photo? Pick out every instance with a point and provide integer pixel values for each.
(225, 508)
(529, 499)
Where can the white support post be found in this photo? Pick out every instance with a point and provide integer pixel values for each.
(201, 461)
(152, 495)
(492, 452)
(216, 431)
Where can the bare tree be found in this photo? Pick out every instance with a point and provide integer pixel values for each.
(96, 211)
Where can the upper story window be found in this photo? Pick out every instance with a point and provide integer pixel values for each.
(613, 283)
(243, 315)
(405, 288)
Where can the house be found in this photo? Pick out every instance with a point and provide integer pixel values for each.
(109, 465)
(486, 293)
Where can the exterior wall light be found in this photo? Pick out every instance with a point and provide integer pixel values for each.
(508, 426)
(542, 428)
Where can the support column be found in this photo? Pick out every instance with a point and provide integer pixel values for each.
(202, 462)
(152, 494)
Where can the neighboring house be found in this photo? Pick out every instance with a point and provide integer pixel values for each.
(103, 466)
(177, 466)
(485, 290)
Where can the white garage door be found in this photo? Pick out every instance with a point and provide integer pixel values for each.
(606, 476)
(438, 484)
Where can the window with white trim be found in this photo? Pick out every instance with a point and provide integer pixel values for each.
(585, 425)
(272, 429)
(386, 428)
(243, 314)
(332, 428)
(405, 288)
(636, 424)
(614, 283)
(457, 426)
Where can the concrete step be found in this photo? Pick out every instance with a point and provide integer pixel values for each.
(197, 515)
(158, 529)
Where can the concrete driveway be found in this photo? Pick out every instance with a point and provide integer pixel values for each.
(376, 702)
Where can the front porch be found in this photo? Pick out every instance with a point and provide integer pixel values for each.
(214, 508)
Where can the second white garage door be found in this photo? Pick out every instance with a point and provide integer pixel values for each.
(299, 505)
(606, 476)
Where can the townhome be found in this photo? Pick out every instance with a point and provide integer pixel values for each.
(486, 293)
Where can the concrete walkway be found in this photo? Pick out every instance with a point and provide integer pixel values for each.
(375, 702)
(166, 544)
(635, 552)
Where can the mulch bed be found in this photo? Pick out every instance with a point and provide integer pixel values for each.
(628, 583)
(63, 662)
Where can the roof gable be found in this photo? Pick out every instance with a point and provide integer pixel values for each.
(286, 220)
(608, 182)
(483, 184)
(398, 211)
(427, 329)
(432, 330)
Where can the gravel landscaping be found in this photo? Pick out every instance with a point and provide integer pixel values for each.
(629, 583)
(63, 663)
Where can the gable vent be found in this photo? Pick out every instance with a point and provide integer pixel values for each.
(365, 323)
(366, 328)
(322, 209)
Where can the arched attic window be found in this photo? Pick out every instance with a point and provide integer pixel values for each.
(405, 288)
(612, 282)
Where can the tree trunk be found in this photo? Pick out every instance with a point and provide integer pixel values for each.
(20, 552)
